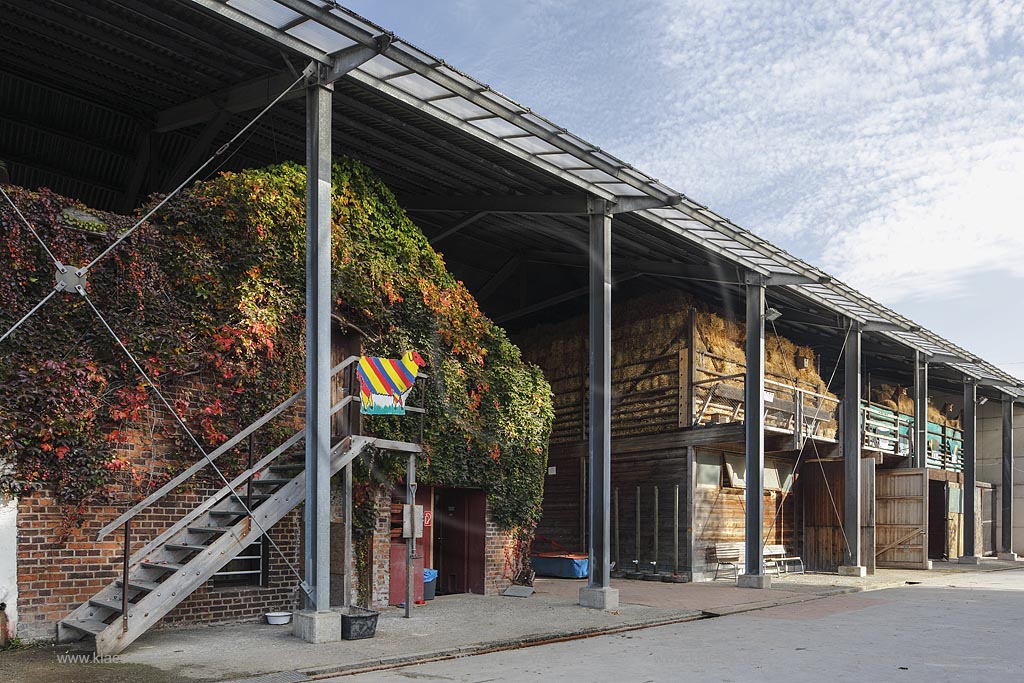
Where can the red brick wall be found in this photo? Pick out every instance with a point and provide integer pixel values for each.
(56, 575)
(498, 569)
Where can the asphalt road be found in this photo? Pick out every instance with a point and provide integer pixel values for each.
(968, 630)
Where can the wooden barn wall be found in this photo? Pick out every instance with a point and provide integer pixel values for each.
(824, 543)
(664, 469)
(561, 523)
(720, 516)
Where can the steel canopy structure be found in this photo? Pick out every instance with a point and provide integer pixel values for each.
(149, 88)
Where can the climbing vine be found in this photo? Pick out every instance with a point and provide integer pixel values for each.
(210, 297)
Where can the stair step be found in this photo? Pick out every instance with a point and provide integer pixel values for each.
(106, 604)
(270, 481)
(286, 467)
(139, 584)
(209, 529)
(186, 546)
(227, 513)
(90, 626)
(165, 566)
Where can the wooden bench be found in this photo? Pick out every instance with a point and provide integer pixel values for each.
(776, 557)
(729, 556)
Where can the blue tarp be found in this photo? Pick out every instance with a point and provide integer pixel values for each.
(429, 575)
(561, 567)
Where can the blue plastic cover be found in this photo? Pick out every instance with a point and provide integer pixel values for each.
(561, 567)
(429, 575)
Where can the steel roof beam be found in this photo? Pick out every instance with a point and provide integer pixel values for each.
(521, 204)
(280, 37)
(262, 91)
(555, 138)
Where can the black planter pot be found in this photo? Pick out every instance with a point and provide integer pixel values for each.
(358, 623)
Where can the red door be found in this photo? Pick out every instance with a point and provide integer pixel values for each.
(459, 540)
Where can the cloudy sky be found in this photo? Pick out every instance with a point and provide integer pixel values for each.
(881, 141)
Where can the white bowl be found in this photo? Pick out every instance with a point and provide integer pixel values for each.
(278, 618)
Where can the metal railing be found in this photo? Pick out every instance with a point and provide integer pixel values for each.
(348, 398)
(886, 430)
(807, 414)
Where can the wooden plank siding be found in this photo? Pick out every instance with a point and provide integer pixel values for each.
(823, 539)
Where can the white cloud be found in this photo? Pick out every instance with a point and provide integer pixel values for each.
(883, 140)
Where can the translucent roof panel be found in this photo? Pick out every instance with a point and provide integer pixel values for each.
(320, 36)
(269, 12)
(419, 87)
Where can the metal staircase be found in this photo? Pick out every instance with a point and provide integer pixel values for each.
(173, 565)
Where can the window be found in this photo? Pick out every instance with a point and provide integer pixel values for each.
(250, 568)
(709, 469)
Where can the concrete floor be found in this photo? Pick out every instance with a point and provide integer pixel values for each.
(953, 627)
(448, 626)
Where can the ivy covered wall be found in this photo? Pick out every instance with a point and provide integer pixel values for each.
(210, 297)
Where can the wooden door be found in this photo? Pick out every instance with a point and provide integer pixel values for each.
(901, 518)
(344, 343)
(460, 540)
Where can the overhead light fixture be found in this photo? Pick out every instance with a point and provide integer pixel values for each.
(772, 314)
(982, 400)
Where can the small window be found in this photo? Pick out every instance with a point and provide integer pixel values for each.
(709, 469)
(736, 467)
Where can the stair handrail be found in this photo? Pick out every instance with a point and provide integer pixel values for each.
(174, 483)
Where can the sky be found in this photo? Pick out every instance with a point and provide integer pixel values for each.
(881, 141)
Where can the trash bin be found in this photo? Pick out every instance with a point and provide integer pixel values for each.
(429, 583)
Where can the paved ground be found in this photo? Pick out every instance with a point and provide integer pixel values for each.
(448, 626)
(961, 627)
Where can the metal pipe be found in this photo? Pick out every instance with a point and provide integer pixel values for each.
(675, 533)
(615, 507)
(410, 543)
(636, 538)
(853, 439)
(753, 406)
(318, 344)
(124, 575)
(654, 563)
(970, 458)
(600, 447)
(1007, 488)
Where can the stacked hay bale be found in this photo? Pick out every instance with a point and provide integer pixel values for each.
(895, 398)
(650, 336)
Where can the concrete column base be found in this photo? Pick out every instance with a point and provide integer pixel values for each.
(599, 598)
(852, 570)
(317, 627)
(970, 559)
(754, 581)
(1012, 557)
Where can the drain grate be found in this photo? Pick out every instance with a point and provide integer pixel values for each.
(280, 677)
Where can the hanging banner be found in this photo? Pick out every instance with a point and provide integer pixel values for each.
(385, 383)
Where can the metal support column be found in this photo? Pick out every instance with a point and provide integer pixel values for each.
(970, 456)
(852, 441)
(598, 592)
(1006, 540)
(753, 412)
(318, 344)
(346, 578)
(920, 411)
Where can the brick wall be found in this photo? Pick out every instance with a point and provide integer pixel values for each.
(499, 558)
(55, 574)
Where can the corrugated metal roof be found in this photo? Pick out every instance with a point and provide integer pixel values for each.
(424, 126)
